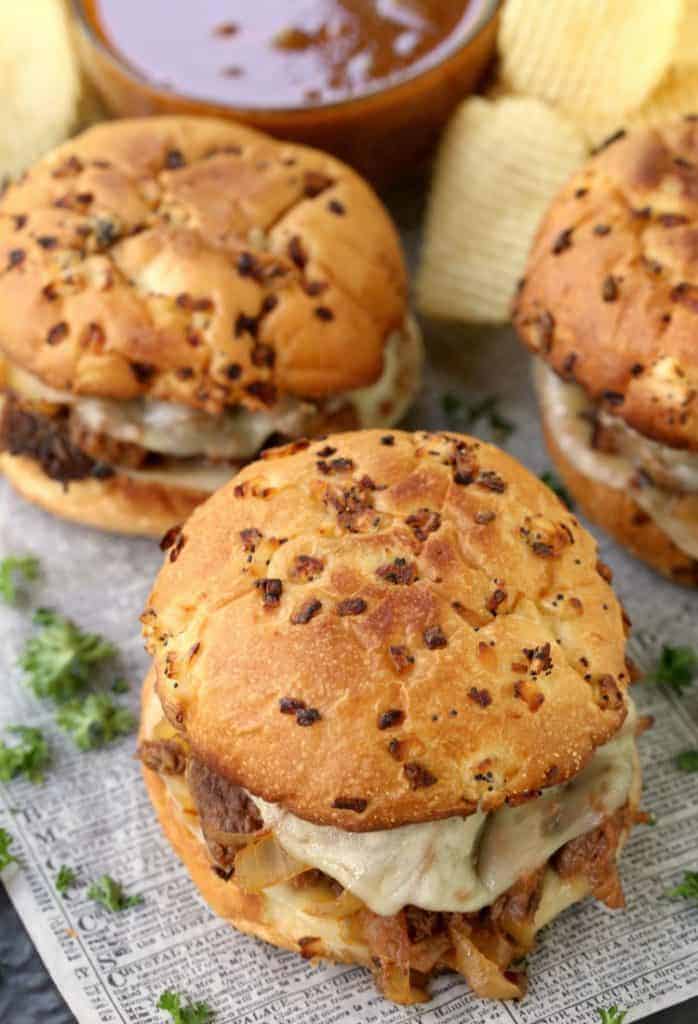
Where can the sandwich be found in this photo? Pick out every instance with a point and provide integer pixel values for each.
(387, 720)
(177, 294)
(609, 306)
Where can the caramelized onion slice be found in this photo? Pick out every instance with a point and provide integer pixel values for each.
(233, 840)
(395, 983)
(181, 794)
(263, 862)
(485, 978)
(325, 904)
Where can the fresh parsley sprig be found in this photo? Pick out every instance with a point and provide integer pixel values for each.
(59, 658)
(687, 889)
(677, 668)
(557, 487)
(6, 841)
(612, 1015)
(463, 417)
(12, 567)
(94, 720)
(687, 761)
(29, 756)
(110, 893)
(193, 1013)
(65, 878)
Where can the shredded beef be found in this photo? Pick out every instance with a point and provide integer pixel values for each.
(422, 924)
(222, 806)
(166, 756)
(314, 877)
(103, 448)
(46, 439)
(513, 913)
(593, 856)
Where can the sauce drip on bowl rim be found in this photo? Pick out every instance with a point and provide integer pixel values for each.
(274, 55)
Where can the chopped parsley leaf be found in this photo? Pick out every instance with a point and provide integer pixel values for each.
(557, 487)
(451, 404)
(677, 667)
(111, 895)
(94, 720)
(65, 878)
(193, 1013)
(687, 761)
(58, 659)
(613, 1015)
(686, 889)
(6, 841)
(462, 417)
(29, 756)
(25, 566)
(120, 685)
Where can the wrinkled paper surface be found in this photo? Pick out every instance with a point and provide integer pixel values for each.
(92, 812)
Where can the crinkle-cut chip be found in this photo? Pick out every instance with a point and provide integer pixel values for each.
(599, 57)
(499, 165)
(39, 82)
(686, 50)
(677, 95)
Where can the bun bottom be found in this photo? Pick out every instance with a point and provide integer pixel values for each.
(276, 917)
(252, 914)
(621, 517)
(277, 921)
(118, 503)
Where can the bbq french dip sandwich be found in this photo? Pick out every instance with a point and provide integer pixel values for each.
(609, 305)
(175, 295)
(387, 721)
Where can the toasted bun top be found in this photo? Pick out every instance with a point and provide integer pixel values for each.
(379, 629)
(198, 261)
(610, 296)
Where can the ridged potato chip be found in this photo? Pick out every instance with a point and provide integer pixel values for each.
(686, 51)
(677, 95)
(39, 81)
(499, 165)
(588, 57)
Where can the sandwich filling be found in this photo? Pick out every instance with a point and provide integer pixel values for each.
(456, 892)
(662, 480)
(75, 437)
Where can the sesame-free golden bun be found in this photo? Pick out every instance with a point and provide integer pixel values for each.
(610, 292)
(196, 261)
(383, 628)
(118, 504)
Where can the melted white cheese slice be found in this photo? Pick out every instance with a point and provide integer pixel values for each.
(462, 864)
(565, 405)
(177, 430)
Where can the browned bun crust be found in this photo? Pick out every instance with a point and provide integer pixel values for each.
(197, 261)
(118, 503)
(610, 294)
(620, 515)
(498, 685)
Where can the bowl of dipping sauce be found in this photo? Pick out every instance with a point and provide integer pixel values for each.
(370, 80)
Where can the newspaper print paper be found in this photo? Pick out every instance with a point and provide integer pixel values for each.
(92, 811)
